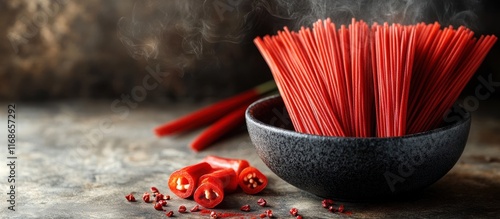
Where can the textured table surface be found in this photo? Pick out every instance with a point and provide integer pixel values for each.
(79, 159)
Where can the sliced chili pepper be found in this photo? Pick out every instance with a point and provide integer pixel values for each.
(210, 192)
(184, 181)
(252, 181)
(221, 162)
(228, 178)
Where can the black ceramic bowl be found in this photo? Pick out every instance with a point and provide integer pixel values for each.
(353, 169)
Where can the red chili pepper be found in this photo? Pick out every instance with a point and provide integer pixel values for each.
(209, 193)
(221, 162)
(219, 128)
(184, 181)
(228, 178)
(213, 112)
(252, 181)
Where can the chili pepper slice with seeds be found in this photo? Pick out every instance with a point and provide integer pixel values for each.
(252, 181)
(212, 186)
(209, 193)
(183, 182)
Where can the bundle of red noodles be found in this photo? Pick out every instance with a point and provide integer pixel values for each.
(384, 80)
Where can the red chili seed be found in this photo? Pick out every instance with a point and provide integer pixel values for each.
(262, 202)
(158, 206)
(294, 211)
(262, 215)
(166, 197)
(146, 197)
(332, 209)
(170, 214)
(162, 202)
(245, 208)
(130, 197)
(195, 208)
(269, 213)
(326, 203)
(299, 216)
(158, 197)
(213, 215)
(182, 209)
(341, 208)
(154, 190)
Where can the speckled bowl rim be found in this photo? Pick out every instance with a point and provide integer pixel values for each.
(260, 124)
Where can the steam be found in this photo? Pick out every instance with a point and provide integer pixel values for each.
(179, 33)
(447, 12)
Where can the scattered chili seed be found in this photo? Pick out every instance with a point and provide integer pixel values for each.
(332, 209)
(146, 197)
(158, 206)
(326, 203)
(130, 197)
(195, 208)
(245, 208)
(341, 208)
(262, 215)
(162, 202)
(262, 202)
(166, 197)
(154, 190)
(294, 211)
(299, 216)
(170, 214)
(213, 215)
(158, 197)
(269, 213)
(182, 209)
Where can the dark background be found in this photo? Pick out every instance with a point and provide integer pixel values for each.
(52, 50)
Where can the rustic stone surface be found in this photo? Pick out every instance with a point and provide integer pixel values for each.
(61, 174)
